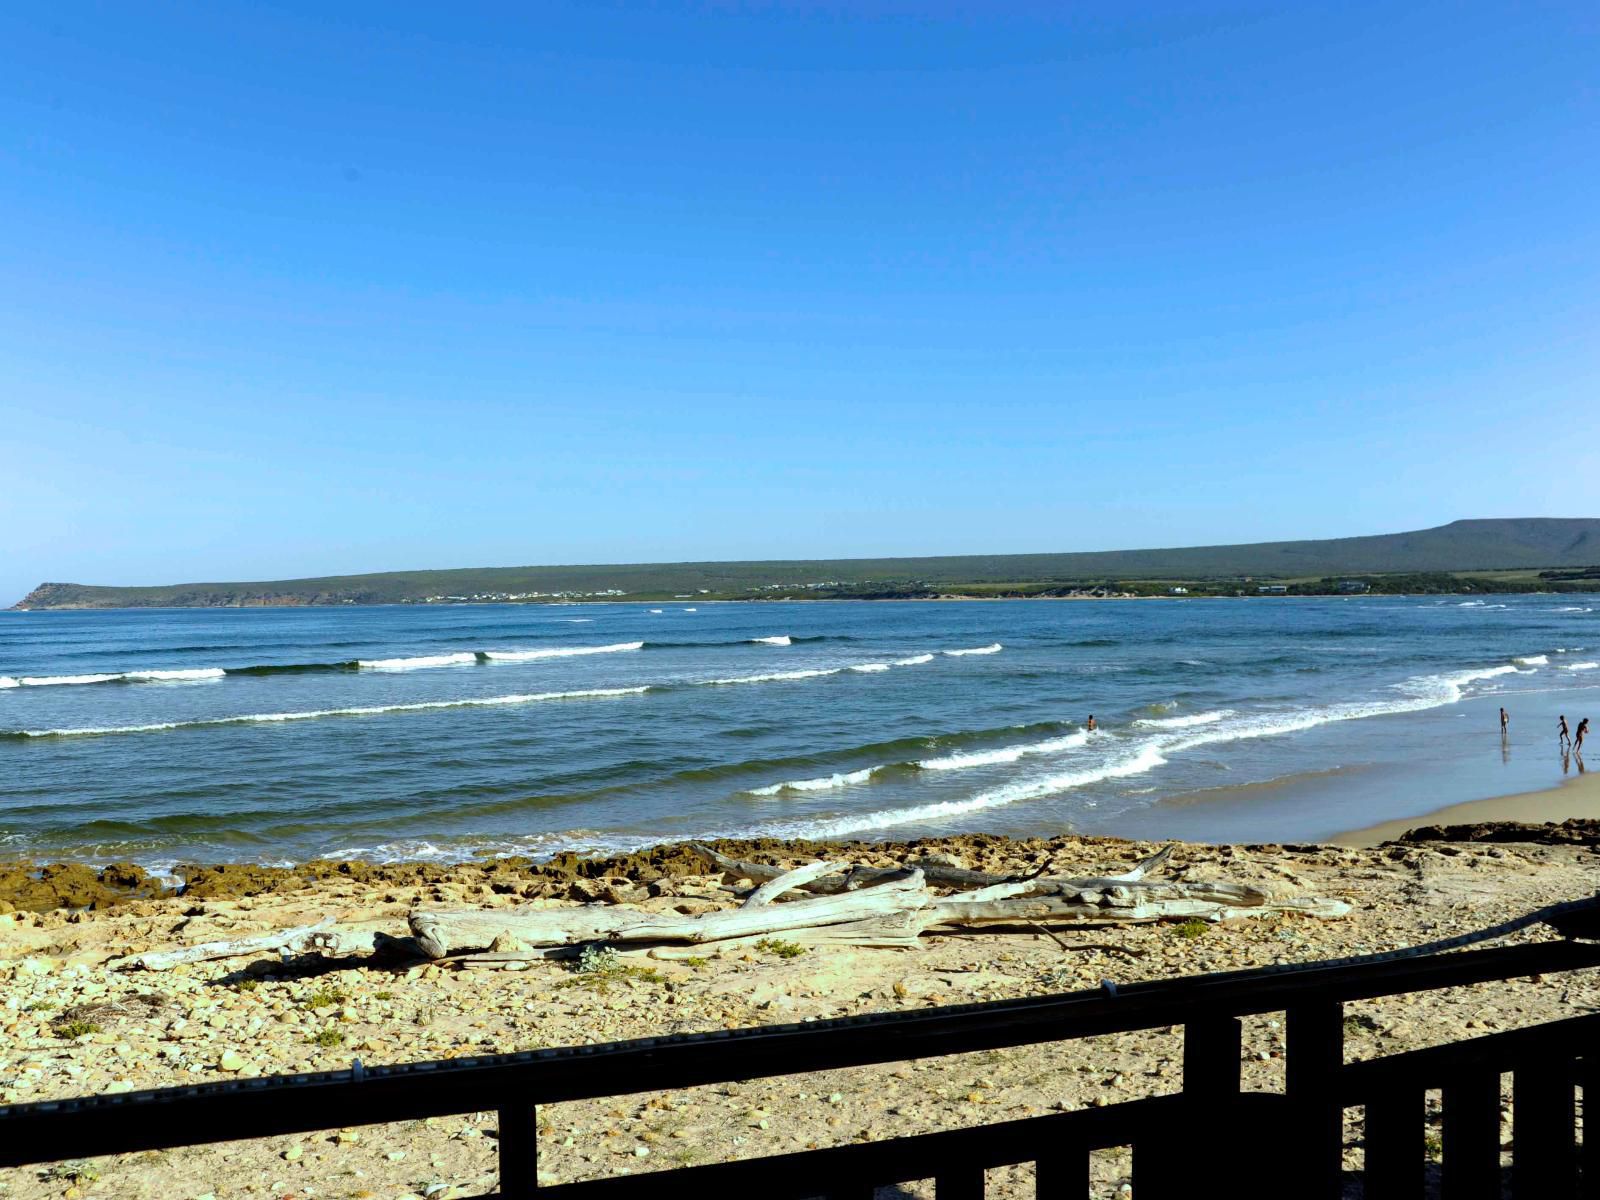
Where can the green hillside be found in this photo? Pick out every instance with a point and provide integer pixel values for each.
(1525, 544)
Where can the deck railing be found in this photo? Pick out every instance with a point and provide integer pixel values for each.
(1211, 1138)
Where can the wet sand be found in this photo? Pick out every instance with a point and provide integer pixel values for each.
(1577, 798)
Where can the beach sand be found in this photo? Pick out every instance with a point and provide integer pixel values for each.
(242, 1018)
(1578, 798)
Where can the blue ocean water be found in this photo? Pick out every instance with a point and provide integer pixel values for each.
(281, 734)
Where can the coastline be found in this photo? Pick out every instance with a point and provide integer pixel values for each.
(76, 1025)
(1576, 798)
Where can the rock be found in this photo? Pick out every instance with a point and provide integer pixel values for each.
(293, 1153)
(232, 1060)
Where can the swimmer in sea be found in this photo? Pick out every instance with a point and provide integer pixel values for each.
(1089, 724)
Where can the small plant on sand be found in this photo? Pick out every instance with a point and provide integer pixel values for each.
(327, 997)
(1360, 1023)
(76, 1029)
(39, 1006)
(597, 966)
(327, 1038)
(695, 963)
(781, 948)
(246, 985)
(383, 995)
(76, 1171)
(1192, 928)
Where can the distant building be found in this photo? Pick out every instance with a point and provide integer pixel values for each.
(1178, 591)
(1353, 586)
(1273, 589)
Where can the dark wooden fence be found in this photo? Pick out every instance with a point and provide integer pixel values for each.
(1209, 1139)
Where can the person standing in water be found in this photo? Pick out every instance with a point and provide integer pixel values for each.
(1505, 721)
(1089, 724)
(1583, 732)
(1564, 735)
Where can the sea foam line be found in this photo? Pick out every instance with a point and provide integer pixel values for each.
(1421, 692)
(1202, 718)
(358, 711)
(781, 639)
(991, 648)
(559, 652)
(186, 675)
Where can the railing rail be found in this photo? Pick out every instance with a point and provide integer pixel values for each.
(1547, 1060)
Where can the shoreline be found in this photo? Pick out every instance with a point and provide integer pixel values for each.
(1575, 798)
(76, 1025)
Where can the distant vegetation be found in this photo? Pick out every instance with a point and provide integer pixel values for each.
(1520, 555)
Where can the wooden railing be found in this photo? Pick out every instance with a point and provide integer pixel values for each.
(1209, 1139)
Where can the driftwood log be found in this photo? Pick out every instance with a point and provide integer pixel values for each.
(893, 912)
(844, 905)
(321, 938)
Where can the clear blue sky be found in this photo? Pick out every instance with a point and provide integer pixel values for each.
(291, 289)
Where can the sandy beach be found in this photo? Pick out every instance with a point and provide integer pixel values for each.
(72, 1026)
(1578, 798)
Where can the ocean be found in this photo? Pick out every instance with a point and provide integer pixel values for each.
(444, 732)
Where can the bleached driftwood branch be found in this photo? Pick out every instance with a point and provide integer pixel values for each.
(895, 913)
(321, 938)
(438, 932)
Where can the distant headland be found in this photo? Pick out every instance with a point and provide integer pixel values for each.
(1501, 555)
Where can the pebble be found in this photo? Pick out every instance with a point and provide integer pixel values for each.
(232, 1060)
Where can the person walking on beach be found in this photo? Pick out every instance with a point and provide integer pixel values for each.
(1583, 732)
(1505, 721)
(1565, 734)
(1089, 724)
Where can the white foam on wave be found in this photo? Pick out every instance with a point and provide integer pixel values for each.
(1533, 660)
(775, 676)
(1577, 608)
(184, 675)
(419, 663)
(1419, 692)
(1142, 759)
(559, 652)
(357, 711)
(782, 639)
(657, 611)
(580, 620)
(1004, 754)
(820, 784)
(1188, 722)
(991, 648)
(871, 668)
(1586, 666)
(691, 610)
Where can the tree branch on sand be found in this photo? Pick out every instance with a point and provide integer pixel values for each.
(842, 905)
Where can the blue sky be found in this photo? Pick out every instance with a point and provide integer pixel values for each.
(292, 289)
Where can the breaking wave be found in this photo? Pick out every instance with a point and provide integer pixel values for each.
(1146, 754)
(314, 714)
(781, 640)
(189, 675)
(559, 652)
(991, 648)
(1204, 718)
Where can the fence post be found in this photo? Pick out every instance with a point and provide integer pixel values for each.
(1544, 1160)
(519, 1151)
(1211, 1047)
(1315, 1057)
(1471, 1138)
